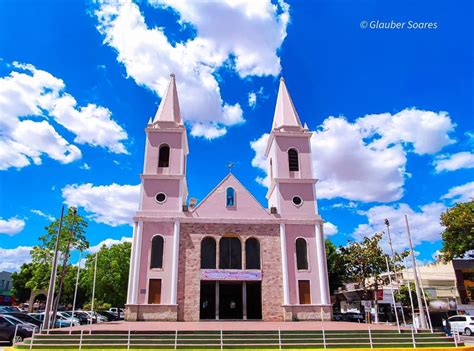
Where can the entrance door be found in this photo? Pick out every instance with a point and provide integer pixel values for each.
(154, 294)
(230, 301)
(208, 300)
(254, 300)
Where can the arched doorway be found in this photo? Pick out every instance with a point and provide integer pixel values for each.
(37, 300)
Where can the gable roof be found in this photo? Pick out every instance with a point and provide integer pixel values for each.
(246, 206)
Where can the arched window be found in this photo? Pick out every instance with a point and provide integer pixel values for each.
(208, 253)
(301, 254)
(230, 197)
(157, 252)
(293, 160)
(164, 156)
(252, 254)
(230, 253)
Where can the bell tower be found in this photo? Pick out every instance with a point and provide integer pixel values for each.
(288, 151)
(164, 187)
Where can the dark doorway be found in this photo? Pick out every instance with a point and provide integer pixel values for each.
(208, 300)
(254, 300)
(230, 301)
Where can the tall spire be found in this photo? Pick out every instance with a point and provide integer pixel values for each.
(285, 112)
(169, 106)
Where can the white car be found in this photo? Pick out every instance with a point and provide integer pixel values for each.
(96, 317)
(115, 310)
(74, 321)
(462, 324)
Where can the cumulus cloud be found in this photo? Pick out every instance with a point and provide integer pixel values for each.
(329, 229)
(12, 259)
(112, 204)
(252, 98)
(424, 224)
(108, 243)
(454, 162)
(30, 100)
(11, 226)
(366, 160)
(42, 214)
(461, 193)
(149, 56)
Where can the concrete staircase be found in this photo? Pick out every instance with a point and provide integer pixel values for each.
(216, 340)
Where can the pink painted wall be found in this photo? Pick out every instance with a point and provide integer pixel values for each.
(294, 231)
(149, 230)
(168, 186)
(284, 142)
(246, 206)
(305, 190)
(154, 141)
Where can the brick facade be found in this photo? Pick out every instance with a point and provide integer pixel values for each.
(190, 261)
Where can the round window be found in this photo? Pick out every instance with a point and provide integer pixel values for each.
(160, 198)
(297, 201)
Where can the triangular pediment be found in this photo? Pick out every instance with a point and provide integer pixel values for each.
(214, 205)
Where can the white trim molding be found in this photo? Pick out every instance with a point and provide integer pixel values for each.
(284, 264)
(322, 266)
(174, 268)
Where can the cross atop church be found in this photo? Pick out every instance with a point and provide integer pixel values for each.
(230, 165)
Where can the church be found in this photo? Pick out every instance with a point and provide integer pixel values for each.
(227, 257)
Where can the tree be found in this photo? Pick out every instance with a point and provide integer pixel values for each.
(42, 254)
(112, 274)
(458, 237)
(336, 267)
(365, 262)
(19, 282)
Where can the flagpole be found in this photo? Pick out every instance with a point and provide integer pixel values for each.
(52, 278)
(417, 283)
(393, 296)
(93, 286)
(426, 302)
(77, 284)
(387, 224)
(411, 297)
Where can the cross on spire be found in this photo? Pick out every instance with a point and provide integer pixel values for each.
(230, 165)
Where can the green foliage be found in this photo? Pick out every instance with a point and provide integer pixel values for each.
(365, 262)
(403, 295)
(112, 274)
(98, 306)
(458, 237)
(336, 267)
(19, 282)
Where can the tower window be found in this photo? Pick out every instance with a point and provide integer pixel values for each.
(164, 156)
(230, 197)
(208, 253)
(157, 252)
(160, 198)
(293, 160)
(301, 254)
(297, 201)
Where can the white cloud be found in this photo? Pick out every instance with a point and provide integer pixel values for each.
(454, 162)
(12, 259)
(28, 92)
(110, 204)
(252, 99)
(108, 243)
(85, 166)
(461, 193)
(366, 160)
(42, 214)
(424, 224)
(329, 229)
(149, 57)
(11, 226)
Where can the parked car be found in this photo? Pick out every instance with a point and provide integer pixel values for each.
(6, 309)
(7, 331)
(60, 321)
(96, 318)
(25, 318)
(349, 317)
(111, 317)
(16, 320)
(82, 317)
(74, 321)
(462, 324)
(116, 310)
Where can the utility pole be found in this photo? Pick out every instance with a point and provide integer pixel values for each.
(387, 224)
(417, 282)
(66, 258)
(52, 278)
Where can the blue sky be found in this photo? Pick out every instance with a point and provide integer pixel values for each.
(392, 109)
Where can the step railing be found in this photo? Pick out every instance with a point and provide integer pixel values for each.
(277, 338)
